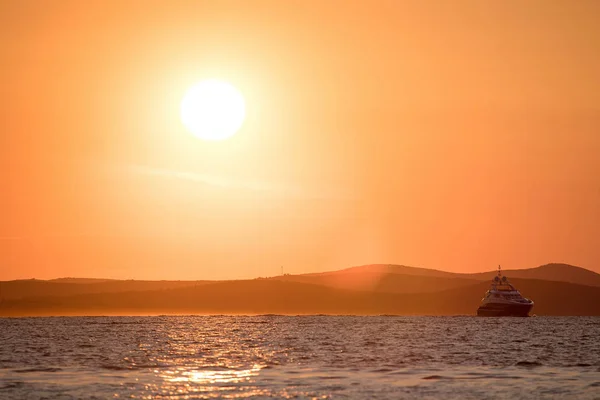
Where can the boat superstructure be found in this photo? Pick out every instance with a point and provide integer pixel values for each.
(504, 300)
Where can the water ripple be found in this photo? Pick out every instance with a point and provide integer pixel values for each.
(300, 357)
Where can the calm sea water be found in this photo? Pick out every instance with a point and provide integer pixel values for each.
(300, 357)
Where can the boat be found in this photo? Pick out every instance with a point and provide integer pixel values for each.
(503, 300)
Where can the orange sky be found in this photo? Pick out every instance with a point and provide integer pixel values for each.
(454, 135)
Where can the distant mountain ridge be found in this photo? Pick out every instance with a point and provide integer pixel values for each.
(59, 287)
(390, 269)
(377, 280)
(80, 280)
(262, 296)
(549, 272)
(557, 289)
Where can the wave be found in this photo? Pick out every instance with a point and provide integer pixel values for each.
(28, 370)
(528, 364)
(434, 377)
(115, 367)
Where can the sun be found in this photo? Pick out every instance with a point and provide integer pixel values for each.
(213, 110)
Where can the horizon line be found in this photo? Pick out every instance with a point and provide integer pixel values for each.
(296, 274)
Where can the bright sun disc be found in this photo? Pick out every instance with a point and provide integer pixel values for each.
(213, 110)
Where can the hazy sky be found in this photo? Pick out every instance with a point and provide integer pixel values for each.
(455, 135)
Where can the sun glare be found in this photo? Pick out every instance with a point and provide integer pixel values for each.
(213, 110)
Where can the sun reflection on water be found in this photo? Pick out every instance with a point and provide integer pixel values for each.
(224, 382)
(212, 376)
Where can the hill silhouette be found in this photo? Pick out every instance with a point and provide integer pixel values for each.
(64, 287)
(380, 281)
(280, 297)
(390, 269)
(548, 272)
(373, 289)
(80, 280)
(404, 279)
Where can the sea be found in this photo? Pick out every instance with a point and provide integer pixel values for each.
(322, 357)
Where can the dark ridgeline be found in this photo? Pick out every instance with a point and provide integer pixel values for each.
(377, 289)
